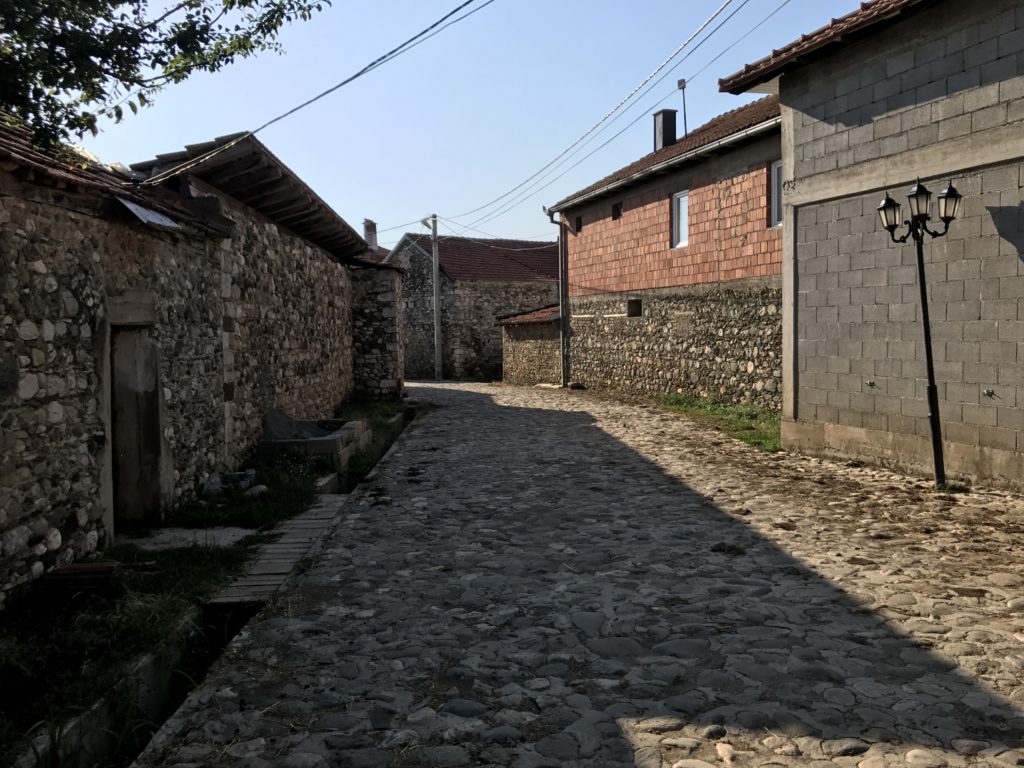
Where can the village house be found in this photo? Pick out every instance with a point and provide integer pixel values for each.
(673, 265)
(901, 90)
(145, 330)
(531, 347)
(481, 279)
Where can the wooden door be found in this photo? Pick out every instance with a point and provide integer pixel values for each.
(135, 427)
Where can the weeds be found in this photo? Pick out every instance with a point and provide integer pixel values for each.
(744, 422)
(290, 490)
(60, 653)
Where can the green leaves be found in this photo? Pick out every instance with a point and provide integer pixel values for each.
(65, 63)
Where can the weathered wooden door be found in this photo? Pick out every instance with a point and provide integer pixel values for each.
(135, 427)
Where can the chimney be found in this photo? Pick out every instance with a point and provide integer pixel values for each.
(370, 232)
(664, 128)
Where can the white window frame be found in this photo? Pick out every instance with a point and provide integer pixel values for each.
(776, 194)
(679, 238)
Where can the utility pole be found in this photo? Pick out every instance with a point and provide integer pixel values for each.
(438, 368)
(682, 87)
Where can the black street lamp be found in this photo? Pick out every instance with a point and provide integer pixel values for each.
(890, 213)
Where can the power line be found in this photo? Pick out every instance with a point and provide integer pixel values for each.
(605, 118)
(530, 193)
(546, 247)
(394, 53)
(488, 234)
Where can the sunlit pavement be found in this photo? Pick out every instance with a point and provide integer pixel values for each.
(538, 577)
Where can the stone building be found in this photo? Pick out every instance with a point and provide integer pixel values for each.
(673, 264)
(895, 91)
(531, 347)
(146, 329)
(480, 281)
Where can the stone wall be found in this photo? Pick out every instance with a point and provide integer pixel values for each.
(287, 338)
(721, 341)
(418, 312)
(63, 257)
(730, 235)
(475, 343)
(531, 354)
(377, 329)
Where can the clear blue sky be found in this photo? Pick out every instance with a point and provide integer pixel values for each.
(468, 114)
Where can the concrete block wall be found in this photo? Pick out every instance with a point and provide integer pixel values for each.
(860, 342)
(730, 235)
(941, 97)
(957, 69)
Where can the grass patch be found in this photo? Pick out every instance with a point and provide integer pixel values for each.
(376, 412)
(290, 490)
(59, 654)
(744, 422)
(955, 486)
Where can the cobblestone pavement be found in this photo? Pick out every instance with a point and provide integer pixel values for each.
(538, 577)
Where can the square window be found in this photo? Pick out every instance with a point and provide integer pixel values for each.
(617, 211)
(634, 308)
(680, 219)
(579, 224)
(775, 196)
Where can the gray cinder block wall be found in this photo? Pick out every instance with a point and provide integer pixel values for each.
(940, 96)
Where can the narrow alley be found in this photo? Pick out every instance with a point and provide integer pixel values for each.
(539, 577)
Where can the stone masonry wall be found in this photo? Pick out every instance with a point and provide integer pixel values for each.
(287, 338)
(475, 342)
(721, 341)
(730, 236)
(62, 254)
(377, 329)
(418, 312)
(531, 354)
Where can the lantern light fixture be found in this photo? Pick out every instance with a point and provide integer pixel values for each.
(890, 212)
(949, 204)
(920, 201)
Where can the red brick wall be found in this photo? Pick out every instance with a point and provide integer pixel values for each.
(729, 237)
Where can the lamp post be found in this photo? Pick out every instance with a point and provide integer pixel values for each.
(889, 211)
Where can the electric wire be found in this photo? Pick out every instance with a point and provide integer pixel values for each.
(523, 197)
(488, 234)
(547, 246)
(600, 122)
(409, 44)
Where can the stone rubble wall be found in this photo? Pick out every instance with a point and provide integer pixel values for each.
(287, 331)
(62, 255)
(377, 331)
(530, 354)
(476, 341)
(722, 341)
(418, 312)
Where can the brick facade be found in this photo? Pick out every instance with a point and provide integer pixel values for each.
(730, 237)
(708, 319)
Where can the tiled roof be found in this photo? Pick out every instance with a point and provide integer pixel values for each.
(721, 127)
(836, 32)
(375, 253)
(16, 147)
(512, 261)
(542, 315)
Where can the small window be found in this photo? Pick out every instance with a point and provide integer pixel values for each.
(634, 308)
(579, 224)
(775, 197)
(680, 219)
(617, 211)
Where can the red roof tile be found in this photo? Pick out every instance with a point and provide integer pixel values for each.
(812, 45)
(542, 315)
(718, 128)
(511, 261)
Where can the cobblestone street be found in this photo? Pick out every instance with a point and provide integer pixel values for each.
(537, 577)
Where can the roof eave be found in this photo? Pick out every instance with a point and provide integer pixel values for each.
(693, 154)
